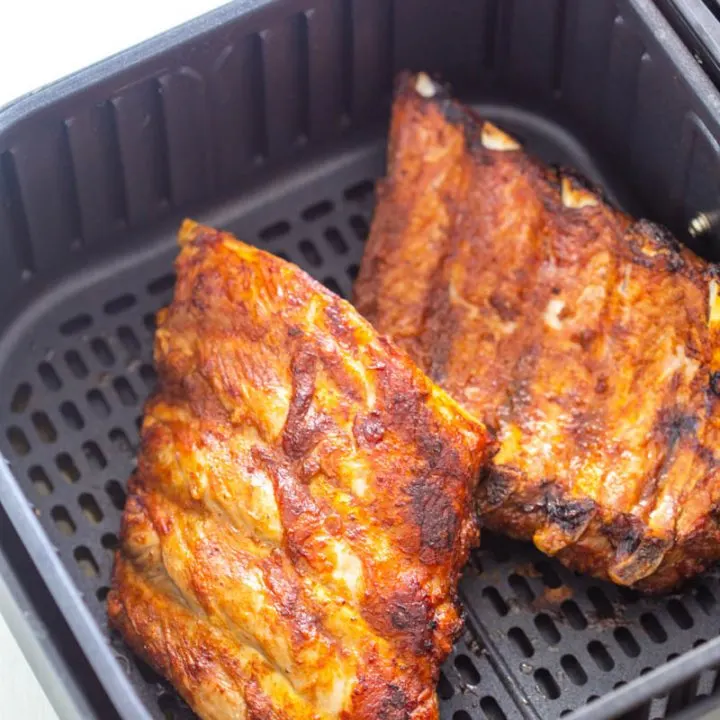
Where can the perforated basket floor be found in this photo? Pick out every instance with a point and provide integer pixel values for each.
(540, 641)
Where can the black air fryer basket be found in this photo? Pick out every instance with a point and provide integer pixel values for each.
(269, 119)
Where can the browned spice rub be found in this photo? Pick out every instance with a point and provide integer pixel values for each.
(587, 339)
(303, 503)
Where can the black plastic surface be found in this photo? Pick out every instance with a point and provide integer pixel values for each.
(698, 23)
(268, 119)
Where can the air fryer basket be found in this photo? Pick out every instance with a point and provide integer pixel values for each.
(268, 118)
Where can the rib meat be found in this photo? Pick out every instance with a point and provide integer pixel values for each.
(587, 339)
(303, 503)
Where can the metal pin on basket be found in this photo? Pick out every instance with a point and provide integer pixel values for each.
(704, 222)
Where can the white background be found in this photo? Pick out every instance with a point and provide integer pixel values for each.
(20, 694)
(46, 40)
(41, 42)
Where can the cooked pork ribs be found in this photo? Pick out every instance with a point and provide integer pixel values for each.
(588, 340)
(303, 503)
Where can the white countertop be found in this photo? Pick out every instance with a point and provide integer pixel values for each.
(20, 694)
(42, 42)
(46, 40)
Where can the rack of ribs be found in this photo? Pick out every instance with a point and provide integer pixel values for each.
(589, 341)
(303, 503)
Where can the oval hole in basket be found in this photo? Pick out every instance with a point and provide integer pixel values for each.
(71, 415)
(332, 286)
(128, 340)
(120, 304)
(360, 192)
(549, 575)
(148, 376)
(85, 560)
(335, 241)
(49, 377)
(76, 324)
(521, 587)
(110, 544)
(116, 493)
(316, 211)
(547, 629)
(109, 541)
(627, 642)
(546, 684)
(573, 669)
(63, 522)
(21, 398)
(91, 510)
(43, 427)
(603, 606)
(98, 404)
(18, 440)
(310, 253)
(496, 600)
(444, 688)
(468, 672)
(573, 614)
(67, 467)
(125, 392)
(598, 652)
(492, 710)
(360, 227)
(161, 285)
(705, 599)
(521, 642)
(274, 231)
(150, 322)
(102, 352)
(655, 631)
(121, 442)
(94, 455)
(76, 364)
(40, 480)
(679, 613)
